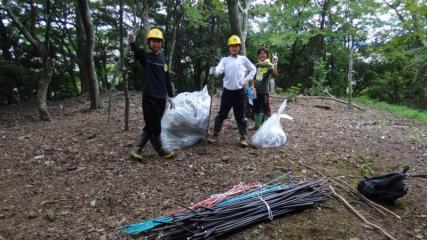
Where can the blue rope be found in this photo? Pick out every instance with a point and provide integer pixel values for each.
(141, 227)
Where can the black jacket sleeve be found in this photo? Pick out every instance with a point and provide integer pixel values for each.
(169, 85)
(138, 52)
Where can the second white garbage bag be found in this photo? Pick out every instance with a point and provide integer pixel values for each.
(186, 124)
(271, 133)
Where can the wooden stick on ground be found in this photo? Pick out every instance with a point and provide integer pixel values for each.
(373, 204)
(351, 208)
(330, 98)
(352, 190)
(341, 101)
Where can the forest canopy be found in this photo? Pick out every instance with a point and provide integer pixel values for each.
(47, 47)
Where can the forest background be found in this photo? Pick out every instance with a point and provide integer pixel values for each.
(52, 50)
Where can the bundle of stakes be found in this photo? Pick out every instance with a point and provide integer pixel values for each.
(232, 214)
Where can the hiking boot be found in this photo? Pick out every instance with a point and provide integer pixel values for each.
(258, 121)
(157, 145)
(166, 154)
(213, 139)
(265, 118)
(136, 153)
(243, 135)
(244, 141)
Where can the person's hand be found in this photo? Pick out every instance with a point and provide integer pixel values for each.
(275, 59)
(132, 36)
(212, 71)
(171, 104)
(253, 92)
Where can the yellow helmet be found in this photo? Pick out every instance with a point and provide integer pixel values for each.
(155, 33)
(233, 40)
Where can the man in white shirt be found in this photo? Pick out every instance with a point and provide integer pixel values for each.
(237, 70)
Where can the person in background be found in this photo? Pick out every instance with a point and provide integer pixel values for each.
(265, 71)
(157, 91)
(237, 70)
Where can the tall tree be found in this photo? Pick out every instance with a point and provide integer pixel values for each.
(122, 66)
(243, 9)
(85, 49)
(42, 49)
(235, 26)
(5, 40)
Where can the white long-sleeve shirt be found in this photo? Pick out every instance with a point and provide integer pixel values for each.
(237, 70)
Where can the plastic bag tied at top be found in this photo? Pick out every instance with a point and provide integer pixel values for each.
(271, 134)
(186, 124)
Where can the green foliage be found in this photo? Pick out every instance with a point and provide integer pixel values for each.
(291, 93)
(366, 169)
(403, 111)
(319, 84)
(194, 15)
(17, 82)
(313, 54)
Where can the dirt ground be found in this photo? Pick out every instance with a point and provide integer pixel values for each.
(71, 178)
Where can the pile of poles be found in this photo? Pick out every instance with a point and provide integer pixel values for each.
(226, 213)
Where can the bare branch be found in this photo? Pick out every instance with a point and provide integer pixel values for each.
(360, 216)
(32, 39)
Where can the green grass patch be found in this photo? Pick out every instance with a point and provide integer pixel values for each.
(403, 111)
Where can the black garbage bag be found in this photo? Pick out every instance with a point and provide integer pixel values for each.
(385, 188)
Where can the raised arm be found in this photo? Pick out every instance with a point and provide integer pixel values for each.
(138, 52)
(274, 61)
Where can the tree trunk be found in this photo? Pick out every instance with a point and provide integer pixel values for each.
(233, 15)
(292, 67)
(173, 42)
(33, 17)
(244, 11)
(321, 37)
(42, 87)
(122, 67)
(350, 77)
(85, 46)
(180, 84)
(5, 40)
(43, 52)
(197, 74)
(144, 10)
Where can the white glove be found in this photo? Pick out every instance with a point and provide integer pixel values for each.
(132, 35)
(212, 71)
(275, 59)
(253, 93)
(171, 103)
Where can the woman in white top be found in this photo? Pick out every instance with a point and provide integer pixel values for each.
(237, 70)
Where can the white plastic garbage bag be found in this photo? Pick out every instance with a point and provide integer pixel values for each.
(186, 124)
(271, 133)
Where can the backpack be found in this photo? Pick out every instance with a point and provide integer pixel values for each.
(385, 188)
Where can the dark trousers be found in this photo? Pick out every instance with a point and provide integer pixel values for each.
(262, 104)
(231, 99)
(153, 109)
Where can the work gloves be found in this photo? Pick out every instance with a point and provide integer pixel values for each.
(253, 92)
(171, 103)
(275, 59)
(132, 35)
(212, 71)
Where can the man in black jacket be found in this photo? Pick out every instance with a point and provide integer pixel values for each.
(157, 90)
